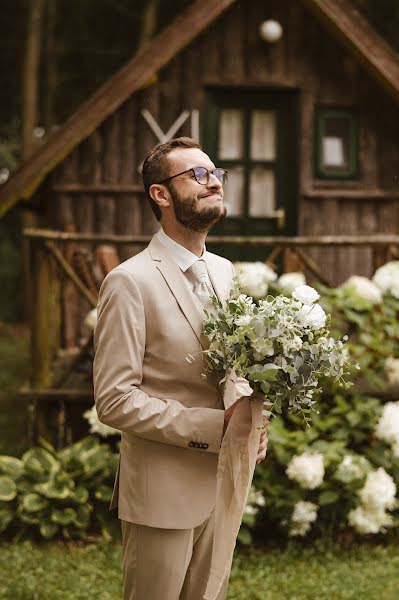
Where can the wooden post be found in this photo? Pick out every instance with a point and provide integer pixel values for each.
(42, 323)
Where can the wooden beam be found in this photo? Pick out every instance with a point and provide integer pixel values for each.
(133, 76)
(103, 188)
(234, 240)
(354, 31)
(68, 270)
(348, 194)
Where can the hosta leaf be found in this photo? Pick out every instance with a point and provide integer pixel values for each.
(6, 516)
(63, 517)
(8, 489)
(51, 490)
(104, 493)
(83, 513)
(48, 530)
(9, 465)
(34, 502)
(39, 464)
(80, 494)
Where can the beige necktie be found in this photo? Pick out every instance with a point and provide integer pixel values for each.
(202, 286)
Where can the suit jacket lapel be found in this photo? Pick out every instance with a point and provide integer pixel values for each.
(179, 288)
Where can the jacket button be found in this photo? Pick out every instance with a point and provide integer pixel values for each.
(191, 444)
(205, 446)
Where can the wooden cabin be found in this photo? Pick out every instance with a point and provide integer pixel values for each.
(298, 100)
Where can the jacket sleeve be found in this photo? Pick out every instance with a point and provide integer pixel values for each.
(119, 343)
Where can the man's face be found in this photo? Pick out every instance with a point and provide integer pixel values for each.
(196, 206)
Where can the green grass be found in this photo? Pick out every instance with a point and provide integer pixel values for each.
(14, 372)
(69, 572)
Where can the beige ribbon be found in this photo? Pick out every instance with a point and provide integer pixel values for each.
(236, 467)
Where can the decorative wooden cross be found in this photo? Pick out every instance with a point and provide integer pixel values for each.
(173, 129)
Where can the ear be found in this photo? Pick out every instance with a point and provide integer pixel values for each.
(160, 194)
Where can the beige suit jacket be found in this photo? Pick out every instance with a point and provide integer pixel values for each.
(170, 417)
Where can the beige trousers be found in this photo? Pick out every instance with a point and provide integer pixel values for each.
(167, 564)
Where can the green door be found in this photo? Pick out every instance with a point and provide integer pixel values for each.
(254, 135)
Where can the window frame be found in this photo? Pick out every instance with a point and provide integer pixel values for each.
(322, 113)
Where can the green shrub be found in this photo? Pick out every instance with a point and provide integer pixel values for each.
(64, 494)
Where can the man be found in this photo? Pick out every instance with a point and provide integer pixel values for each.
(172, 420)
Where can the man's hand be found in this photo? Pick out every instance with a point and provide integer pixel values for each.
(262, 447)
(229, 413)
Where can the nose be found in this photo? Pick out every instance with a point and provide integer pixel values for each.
(214, 182)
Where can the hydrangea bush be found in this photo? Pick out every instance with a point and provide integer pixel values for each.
(342, 473)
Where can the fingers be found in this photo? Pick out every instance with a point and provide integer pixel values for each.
(262, 448)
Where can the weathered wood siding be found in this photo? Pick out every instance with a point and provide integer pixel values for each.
(231, 53)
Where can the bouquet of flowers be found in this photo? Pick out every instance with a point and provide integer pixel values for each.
(281, 345)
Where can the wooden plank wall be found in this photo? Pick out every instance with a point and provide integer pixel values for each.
(231, 53)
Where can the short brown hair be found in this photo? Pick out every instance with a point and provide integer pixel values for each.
(156, 166)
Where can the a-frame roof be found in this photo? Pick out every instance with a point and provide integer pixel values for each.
(343, 21)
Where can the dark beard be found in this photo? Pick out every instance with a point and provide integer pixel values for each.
(188, 215)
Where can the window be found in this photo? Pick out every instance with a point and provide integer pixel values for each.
(247, 147)
(336, 144)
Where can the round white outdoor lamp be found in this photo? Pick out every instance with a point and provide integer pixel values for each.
(270, 31)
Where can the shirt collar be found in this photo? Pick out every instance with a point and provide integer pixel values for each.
(180, 255)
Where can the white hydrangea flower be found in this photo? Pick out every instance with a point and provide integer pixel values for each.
(388, 425)
(387, 278)
(355, 467)
(307, 470)
(312, 316)
(379, 491)
(303, 515)
(95, 424)
(91, 319)
(255, 500)
(365, 521)
(287, 282)
(392, 370)
(255, 277)
(364, 288)
(305, 294)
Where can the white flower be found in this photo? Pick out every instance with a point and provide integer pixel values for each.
(255, 278)
(91, 319)
(312, 316)
(368, 521)
(303, 515)
(307, 470)
(388, 425)
(387, 278)
(379, 490)
(289, 281)
(255, 500)
(392, 370)
(95, 424)
(305, 294)
(364, 288)
(353, 466)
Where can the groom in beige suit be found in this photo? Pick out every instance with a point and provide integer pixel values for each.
(172, 420)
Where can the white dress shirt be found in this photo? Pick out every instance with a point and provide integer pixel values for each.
(181, 256)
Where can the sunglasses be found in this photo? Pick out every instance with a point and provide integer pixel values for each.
(202, 175)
